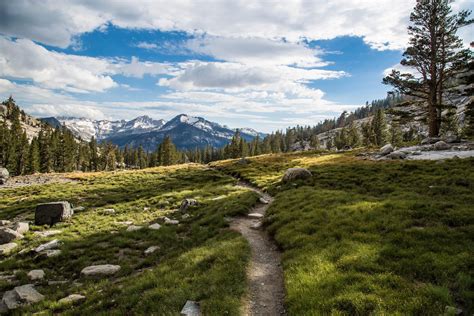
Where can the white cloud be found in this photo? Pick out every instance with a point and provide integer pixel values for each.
(146, 45)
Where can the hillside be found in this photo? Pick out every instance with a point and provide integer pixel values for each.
(29, 124)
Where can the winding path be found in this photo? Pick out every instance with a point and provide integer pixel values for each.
(266, 288)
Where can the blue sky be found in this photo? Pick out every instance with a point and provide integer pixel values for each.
(243, 64)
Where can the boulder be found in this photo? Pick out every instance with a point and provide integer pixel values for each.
(263, 201)
(187, 203)
(47, 233)
(171, 221)
(396, 155)
(108, 211)
(51, 253)
(7, 235)
(430, 140)
(4, 175)
(21, 227)
(441, 145)
(293, 174)
(71, 299)
(5, 249)
(51, 213)
(48, 246)
(100, 270)
(133, 228)
(255, 215)
(154, 226)
(151, 250)
(4, 222)
(387, 149)
(35, 275)
(451, 139)
(191, 308)
(21, 295)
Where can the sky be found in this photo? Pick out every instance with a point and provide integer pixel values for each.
(260, 64)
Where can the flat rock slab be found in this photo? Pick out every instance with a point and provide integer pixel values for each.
(171, 221)
(51, 213)
(5, 249)
(151, 250)
(72, 299)
(53, 244)
(51, 253)
(191, 308)
(21, 295)
(48, 233)
(126, 223)
(133, 228)
(100, 270)
(154, 226)
(35, 275)
(7, 235)
(255, 215)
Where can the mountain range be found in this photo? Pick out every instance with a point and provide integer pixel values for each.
(187, 132)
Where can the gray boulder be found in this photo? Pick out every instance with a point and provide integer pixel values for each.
(430, 140)
(4, 222)
(35, 275)
(71, 299)
(387, 149)
(5, 249)
(4, 175)
(100, 270)
(191, 308)
(21, 295)
(293, 174)
(53, 244)
(451, 139)
(396, 155)
(21, 227)
(187, 203)
(441, 146)
(7, 235)
(51, 213)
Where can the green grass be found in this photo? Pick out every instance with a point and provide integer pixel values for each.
(199, 260)
(371, 238)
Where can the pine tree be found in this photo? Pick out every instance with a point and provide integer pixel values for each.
(396, 137)
(435, 52)
(94, 155)
(33, 164)
(379, 127)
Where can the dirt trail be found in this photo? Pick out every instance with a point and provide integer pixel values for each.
(265, 275)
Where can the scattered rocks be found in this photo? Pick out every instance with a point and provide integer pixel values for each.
(48, 233)
(100, 270)
(21, 227)
(255, 215)
(396, 155)
(133, 228)
(48, 246)
(171, 221)
(107, 211)
(441, 145)
(293, 174)
(154, 226)
(21, 295)
(72, 299)
(4, 175)
(151, 250)
(7, 235)
(51, 213)
(191, 308)
(35, 275)
(5, 249)
(187, 203)
(387, 149)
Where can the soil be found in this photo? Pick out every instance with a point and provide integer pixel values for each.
(21, 181)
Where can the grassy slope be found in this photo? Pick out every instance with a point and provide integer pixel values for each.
(198, 260)
(367, 237)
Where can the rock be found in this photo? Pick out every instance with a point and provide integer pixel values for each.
(47, 233)
(171, 221)
(51, 253)
(255, 215)
(71, 299)
(100, 270)
(430, 140)
(126, 223)
(108, 211)
(256, 225)
(187, 203)
(262, 200)
(57, 282)
(293, 174)
(21, 295)
(154, 226)
(133, 228)
(5, 249)
(396, 155)
(4, 222)
(21, 227)
(4, 175)
(441, 145)
(451, 139)
(185, 216)
(11, 300)
(451, 310)
(79, 209)
(191, 308)
(51, 213)
(48, 246)
(151, 250)
(7, 235)
(34, 275)
(387, 149)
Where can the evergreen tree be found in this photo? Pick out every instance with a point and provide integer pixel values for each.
(379, 127)
(435, 52)
(396, 137)
(33, 164)
(94, 155)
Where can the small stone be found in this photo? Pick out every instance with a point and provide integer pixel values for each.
(100, 270)
(108, 211)
(35, 275)
(185, 216)
(7, 235)
(126, 223)
(191, 308)
(57, 282)
(51, 253)
(133, 228)
(5, 249)
(441, 145)
(21, 227)
(186, 203)
(451, 310)
(146, 209)
(47, 246)
(396, 155)
(79, 209)
(264, 201)
(4, 222)
(154, 226)
(171, 221)
(47, 233)
(151, 250)
(71, 299)
(256, 226)
(255, 215)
